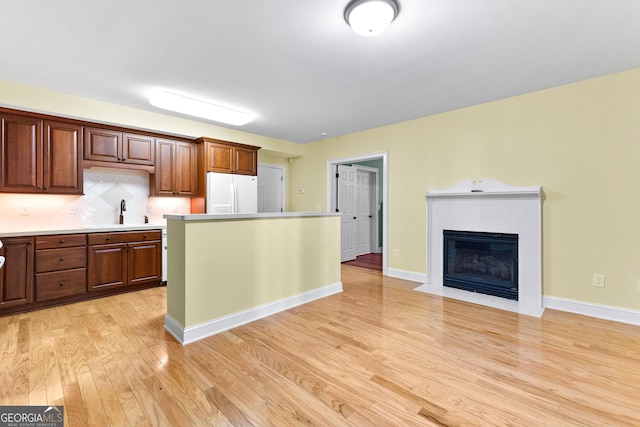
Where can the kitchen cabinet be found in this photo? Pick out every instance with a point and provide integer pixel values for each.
(121, 259)
(230, 157)
(118, 148)
(16, 277)
(62, 158)
(176, 169)
(40, 156)
(60, 266)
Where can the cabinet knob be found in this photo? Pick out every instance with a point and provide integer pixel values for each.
(144, 236)
(61, 240)
(108, 237)
(61, 258)
(61, 283)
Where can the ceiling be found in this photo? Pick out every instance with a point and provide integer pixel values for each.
(300, 69)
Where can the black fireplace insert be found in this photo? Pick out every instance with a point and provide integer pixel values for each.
(480, 262)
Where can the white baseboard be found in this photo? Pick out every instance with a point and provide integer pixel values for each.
(600, 311)
(407, 275)
(215, 326)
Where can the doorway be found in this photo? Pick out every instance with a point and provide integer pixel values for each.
(336, 198)
(271, 182)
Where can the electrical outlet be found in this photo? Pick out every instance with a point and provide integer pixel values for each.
(24, 210)
(73, 209)
(598, 280)
(395, 253)
(149, 208)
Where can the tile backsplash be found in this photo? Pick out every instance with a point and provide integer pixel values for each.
(104, 188)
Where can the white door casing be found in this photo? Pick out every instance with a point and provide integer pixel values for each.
(383, 181)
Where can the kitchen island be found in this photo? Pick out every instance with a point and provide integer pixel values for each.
(228, 270)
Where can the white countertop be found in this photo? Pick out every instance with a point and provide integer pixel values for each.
(266, 215)
(99, 228)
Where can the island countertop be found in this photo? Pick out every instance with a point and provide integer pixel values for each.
(263, 215)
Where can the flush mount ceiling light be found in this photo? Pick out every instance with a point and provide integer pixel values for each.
(371, 17)
(194, 107)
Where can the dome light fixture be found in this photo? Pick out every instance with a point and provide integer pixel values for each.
(371, 17)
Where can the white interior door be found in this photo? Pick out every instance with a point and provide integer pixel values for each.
(270, 188)
(347, 206)
(363, 212)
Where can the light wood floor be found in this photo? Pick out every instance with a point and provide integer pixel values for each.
(376, 354)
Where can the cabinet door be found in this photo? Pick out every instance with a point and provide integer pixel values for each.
(102, 145)
(21, 154)
(144, 262)
(245, 161)
(107, 265)
(62, 158)
(219, 157)
(16, 277)
(165, 163)
(138, 149)
(185, 169)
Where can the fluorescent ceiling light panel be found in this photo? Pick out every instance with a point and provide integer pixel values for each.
(194, 107)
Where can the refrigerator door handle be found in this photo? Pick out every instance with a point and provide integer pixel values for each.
(234, 197)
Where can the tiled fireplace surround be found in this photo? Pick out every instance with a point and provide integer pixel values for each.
(488, 205)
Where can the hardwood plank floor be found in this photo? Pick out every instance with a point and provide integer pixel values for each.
(371, 261)
(377, 354)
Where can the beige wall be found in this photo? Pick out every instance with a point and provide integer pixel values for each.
(222, 267)
(580, 142)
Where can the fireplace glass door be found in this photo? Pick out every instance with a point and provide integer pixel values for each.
(481, 262)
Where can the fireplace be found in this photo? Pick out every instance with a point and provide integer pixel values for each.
(495, 208)
(481, 262)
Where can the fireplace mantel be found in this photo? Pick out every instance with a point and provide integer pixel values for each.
(484, 187)
(488, 205)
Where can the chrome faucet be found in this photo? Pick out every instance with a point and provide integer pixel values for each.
(123, 208)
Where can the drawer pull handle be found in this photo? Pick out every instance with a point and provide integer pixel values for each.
(61, 258)
(144, 236)
(61, 240)
(108, 237)
(61, 283)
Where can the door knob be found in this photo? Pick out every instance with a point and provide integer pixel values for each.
(355, 217)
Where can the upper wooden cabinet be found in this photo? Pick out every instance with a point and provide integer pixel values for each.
(62, 153)
(40, 156)
(230, 157)
(120, 148)
(176, 169)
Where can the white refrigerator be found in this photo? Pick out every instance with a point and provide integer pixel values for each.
(227, 193)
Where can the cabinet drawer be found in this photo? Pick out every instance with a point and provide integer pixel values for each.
(60, 284)
(60, 259)
(60, 241)
(123, 237)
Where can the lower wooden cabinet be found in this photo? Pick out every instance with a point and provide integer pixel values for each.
(42, 271)
(61, 266)
(124, 259)
(16, 277)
